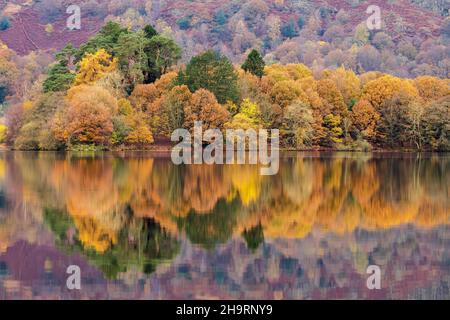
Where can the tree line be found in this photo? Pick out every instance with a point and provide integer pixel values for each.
(122, 89)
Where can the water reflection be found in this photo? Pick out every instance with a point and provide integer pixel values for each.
(145, 228)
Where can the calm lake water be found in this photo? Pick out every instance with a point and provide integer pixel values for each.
(140, 227)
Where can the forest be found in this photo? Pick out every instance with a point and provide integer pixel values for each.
(125, 89)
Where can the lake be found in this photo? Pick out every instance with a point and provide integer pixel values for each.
(140, 227)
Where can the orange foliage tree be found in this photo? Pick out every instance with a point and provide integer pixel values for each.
(364, 118)
(86, 118)
(203, 106)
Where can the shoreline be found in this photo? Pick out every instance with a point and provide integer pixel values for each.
(167, 149)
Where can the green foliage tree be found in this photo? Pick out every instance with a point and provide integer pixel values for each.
(133, 59)
(213, 72)
(162, 53)
(59, 78)
(67, 56)
(107, 38)
(254, 64)
(149, 31)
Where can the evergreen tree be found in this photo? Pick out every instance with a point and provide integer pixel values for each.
(254, 64)
(59, 78)
(162, 53)
(213, 72)
(133, 58)
(149, 31)
(107, 39)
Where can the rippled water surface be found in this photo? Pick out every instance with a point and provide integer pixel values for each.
(140, 227)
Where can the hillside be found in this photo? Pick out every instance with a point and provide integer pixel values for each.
(413, 40)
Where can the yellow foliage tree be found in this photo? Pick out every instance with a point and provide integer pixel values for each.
(140, 133)
(347, 83)
(378, 91)
(286, 91)
(3, 130)
(329, 92)
(94, 66)
(248, 116)
(278, 72)
(432, 88)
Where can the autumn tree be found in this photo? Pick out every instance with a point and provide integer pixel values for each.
(212, 72)
(347, 82)
(361, 35)
(247, 117)
(279, 72)
(121, 127)
(87, 116)
(36, 133)
(139, 133)
(432, 88)
(158, 117)
(175, 103)
(393, 120)
(378, 91)
(436, 124)
(298, 124)
(414, 124)
(368, 58)
(254, 64)
(8, 72)
(14, 120)
(203, 106)
(3, 131)
(364, 118)
(257, 90)
(285, 92)
(95, 66)
(334, 131)
(329, 92)
(143, 95)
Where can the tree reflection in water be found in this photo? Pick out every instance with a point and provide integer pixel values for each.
(135, 211)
